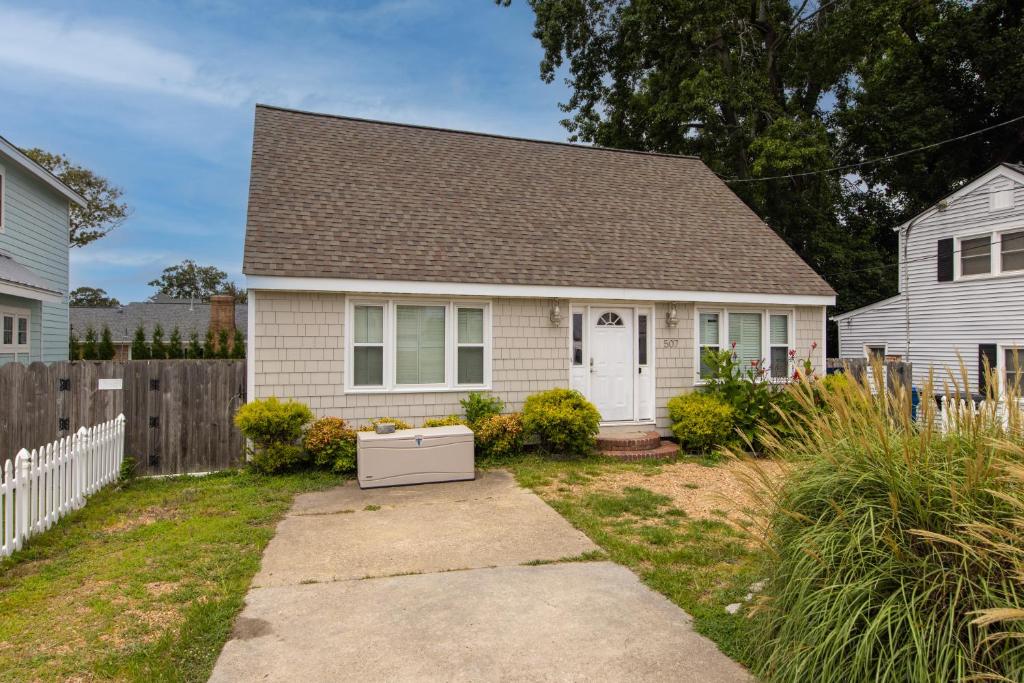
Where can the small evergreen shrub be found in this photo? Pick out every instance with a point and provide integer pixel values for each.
(274, 429)
(449, 421)
(332, 444)
(90, 351)
(701, 422)
(563, 420)
(480, 406)
(372, 426)
(158, 349)
(105, 350)
(500, 437)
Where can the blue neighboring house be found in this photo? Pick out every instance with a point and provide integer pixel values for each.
(34, 241)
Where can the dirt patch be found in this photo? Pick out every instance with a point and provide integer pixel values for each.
(722, 492)
(148, 516)
(158, 588)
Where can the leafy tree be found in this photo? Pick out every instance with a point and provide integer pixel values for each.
(157, 348)
(174, 348)
(223, 344)
(194, 348)
(74, 347)
(140, 349)
(187, 280)
(103, 209)
(209, 345)
(238, 345)
(105, 350)
(89, 348)
(92, 297)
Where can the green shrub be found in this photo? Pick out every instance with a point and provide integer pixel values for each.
(701, 422)
(897, 552)
(480, 406)
(500, 436)
(277, 458)
(372, 426)
(450, 421)
(332, 444)
(274, 426)
(564, 421)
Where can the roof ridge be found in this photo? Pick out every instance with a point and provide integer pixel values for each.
(456, 131)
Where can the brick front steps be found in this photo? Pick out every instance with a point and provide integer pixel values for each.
(634, 444)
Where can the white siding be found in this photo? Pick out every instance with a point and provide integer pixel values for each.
(947, 318)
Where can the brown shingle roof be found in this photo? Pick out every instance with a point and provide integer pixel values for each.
(339, 197)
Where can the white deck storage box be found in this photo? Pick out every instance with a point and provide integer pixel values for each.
(415, 456)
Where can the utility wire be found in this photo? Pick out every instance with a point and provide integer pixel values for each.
(868, 162)
(916, 259)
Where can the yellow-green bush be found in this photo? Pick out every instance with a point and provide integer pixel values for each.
(499, 436)
(399, 424)
(701, 422)
(449, 421)
(563, 420)
(332, 443)
(274, 429)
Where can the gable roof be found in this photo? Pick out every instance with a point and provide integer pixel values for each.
(337, 197)
(20, 158)
(1014, 172)
(168, 312)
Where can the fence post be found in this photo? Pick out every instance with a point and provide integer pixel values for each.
(78, 445)
(23, 469)
(119, 441)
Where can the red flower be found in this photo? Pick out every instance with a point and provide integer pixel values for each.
(792, 354)
(796, 375)
(753, 363)
(814, 345)
(734, 345)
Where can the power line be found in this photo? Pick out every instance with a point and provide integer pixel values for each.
(868, 162)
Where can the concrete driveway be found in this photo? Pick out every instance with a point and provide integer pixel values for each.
(442, 582)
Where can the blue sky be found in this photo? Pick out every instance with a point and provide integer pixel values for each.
(158, 97)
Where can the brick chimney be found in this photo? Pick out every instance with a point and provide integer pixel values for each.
(222, 314)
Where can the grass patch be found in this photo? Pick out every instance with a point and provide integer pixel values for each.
(144, 582)
(372, 508)
(702, 565)
(589, 556)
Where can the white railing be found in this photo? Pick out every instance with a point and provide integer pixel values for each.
(39, 487)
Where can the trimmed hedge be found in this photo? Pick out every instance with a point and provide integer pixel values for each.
(563, 420)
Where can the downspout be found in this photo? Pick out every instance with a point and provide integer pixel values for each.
(906, 287)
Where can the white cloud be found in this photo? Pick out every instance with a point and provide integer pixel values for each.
(124, 257)
(107, 55)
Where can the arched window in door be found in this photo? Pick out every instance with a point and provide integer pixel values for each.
(610, 319)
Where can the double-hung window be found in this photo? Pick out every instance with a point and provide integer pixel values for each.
(14, 331)
(745, 333)
(754, 337)
(1014, 370)
(976, 256)
(414, 346)
(1011, 251)
(709, 340)
(778, 345)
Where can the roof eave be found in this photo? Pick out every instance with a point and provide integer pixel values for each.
(39, 172)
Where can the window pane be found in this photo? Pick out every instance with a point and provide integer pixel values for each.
(577, 339)
(419, 347)
(642, 339)
(471, 365)
(471, 326)
(705, 371)
(975, 256)
(22, 331)
(876, 354)
(369, 324)
(779, 332)
(1014, 360)
(369, 366)
(709, 328)
(780, 361)
(8, 329)
(745, 331)
(1013, 251)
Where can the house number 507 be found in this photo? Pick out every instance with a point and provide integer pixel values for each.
(671, 343)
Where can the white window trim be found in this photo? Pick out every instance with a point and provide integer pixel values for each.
(995, 254)
(867, 353)
(14, 346)
(451, 345)
(1001, 350)
(723, 336)
(3, 199)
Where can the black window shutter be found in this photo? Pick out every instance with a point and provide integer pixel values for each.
(988, 356)
(946, 260)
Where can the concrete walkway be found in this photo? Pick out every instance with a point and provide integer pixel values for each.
(432, 583)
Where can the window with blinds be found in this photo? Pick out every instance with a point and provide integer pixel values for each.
(709, 340)
(470, 341)
(419, 345)
(778, 345)
(745, 333)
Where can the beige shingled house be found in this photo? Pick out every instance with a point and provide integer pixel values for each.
(393, 269)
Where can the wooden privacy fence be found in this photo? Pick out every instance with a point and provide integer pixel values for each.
(897, 373)
(37, 488)
(178, 413)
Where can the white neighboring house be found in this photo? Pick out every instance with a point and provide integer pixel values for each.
(961, 284)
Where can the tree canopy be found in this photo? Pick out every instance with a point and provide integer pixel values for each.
(103, 209)
(187, 280)
(771, 88)
(92, 297)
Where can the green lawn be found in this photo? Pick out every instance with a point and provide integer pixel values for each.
(701, 564)
(142, 583)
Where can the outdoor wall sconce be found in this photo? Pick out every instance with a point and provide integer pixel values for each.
(672, 319)
(556, 312)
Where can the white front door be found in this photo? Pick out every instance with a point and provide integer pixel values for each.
(611, 362)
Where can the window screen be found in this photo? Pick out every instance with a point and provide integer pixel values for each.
(419, 344)
(368, 346)
(471, 346)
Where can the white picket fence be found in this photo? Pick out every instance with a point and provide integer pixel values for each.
(954, 413)
(39, 487)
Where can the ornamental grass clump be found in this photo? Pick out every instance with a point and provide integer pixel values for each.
(897, 552)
